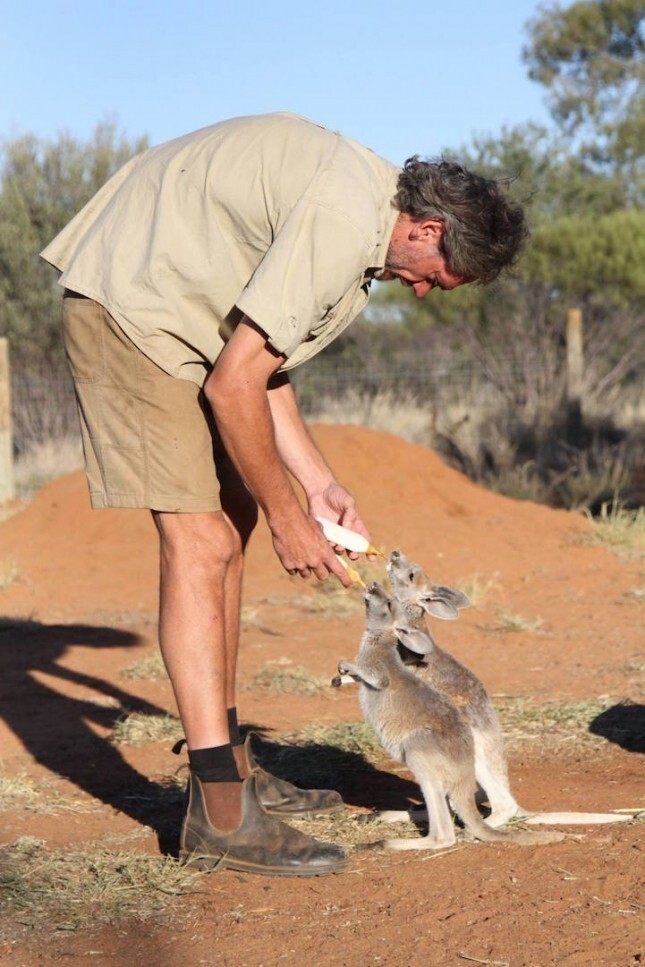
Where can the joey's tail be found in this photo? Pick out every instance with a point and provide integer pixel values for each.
(462, 801)
(579, 819)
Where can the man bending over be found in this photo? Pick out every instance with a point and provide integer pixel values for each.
(195, 279)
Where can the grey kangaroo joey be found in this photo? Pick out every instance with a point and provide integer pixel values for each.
(421, 728)
(418, 596)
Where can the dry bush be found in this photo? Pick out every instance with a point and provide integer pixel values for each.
(511, 448)
(404, 415)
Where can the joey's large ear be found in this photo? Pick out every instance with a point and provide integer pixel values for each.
(458, 598)
(413, 638)
(438, 607)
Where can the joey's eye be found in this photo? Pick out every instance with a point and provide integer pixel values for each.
(411, 576)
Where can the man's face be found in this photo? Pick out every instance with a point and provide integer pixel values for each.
(414, 258)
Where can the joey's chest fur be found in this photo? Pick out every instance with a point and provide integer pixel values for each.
(399, 704)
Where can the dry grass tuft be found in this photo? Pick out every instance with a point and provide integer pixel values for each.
(477, 588)
(76, 889)
(149, 668)
(355, 737)
(355, 830)
(508, 621)
(139, 728)
(619, 529)
(283, 678)
(20, 793)
(552, 724)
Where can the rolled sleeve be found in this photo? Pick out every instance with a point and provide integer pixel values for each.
(312, 262)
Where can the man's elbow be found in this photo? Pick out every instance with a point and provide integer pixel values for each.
(218, 392)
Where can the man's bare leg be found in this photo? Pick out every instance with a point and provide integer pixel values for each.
(201, 568)
(200, 563)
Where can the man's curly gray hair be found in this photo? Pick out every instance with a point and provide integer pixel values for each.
(485, 230)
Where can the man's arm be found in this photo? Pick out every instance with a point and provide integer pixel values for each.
(300, 454)
(237, 392)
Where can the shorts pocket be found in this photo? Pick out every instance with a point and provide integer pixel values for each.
(84, 337)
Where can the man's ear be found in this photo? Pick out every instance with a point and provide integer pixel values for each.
(428, 230)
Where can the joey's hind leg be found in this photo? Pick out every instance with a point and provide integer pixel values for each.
(441, 832)
(492, 775)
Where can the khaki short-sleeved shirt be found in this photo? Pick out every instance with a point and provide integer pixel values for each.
(273, 216)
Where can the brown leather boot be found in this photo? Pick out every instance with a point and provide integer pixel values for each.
(261, 843)
(279, 796)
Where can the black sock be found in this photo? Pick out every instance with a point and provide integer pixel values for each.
(235, 737)
(216, 764)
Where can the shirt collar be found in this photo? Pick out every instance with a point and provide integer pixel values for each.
(389, 215)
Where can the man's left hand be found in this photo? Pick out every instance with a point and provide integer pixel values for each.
(335, 503)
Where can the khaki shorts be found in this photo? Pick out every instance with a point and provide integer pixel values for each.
(149, 439)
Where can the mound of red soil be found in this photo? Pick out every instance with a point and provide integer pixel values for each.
(73, 559)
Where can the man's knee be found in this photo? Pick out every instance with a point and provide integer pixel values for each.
(196, 539)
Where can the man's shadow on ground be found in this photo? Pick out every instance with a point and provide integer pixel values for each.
(56, 730)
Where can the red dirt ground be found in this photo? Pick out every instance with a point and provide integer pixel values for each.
(88, 583)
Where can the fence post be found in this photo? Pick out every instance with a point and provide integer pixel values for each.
(575, 369)
(6, 436)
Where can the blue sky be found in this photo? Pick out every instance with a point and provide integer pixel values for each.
(401, 77)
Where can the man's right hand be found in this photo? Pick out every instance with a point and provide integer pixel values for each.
(303, 549)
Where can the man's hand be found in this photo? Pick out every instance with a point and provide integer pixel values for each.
(337, 504)
(303, 549)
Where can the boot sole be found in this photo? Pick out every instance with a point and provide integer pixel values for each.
(305, 813)
(210, 864)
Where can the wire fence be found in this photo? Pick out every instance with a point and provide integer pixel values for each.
(43, 408)
(43, 404)
(488, 425)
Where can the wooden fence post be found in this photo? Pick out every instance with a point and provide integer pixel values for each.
(6, 437)
(575, 370)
